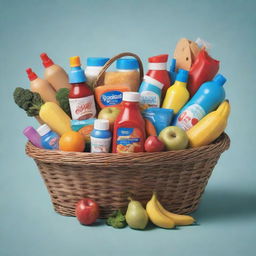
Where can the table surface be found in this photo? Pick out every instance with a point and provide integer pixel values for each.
(227, 213)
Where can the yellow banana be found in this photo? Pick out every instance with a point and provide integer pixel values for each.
(180, 220)
(210, 127)
(156, 216)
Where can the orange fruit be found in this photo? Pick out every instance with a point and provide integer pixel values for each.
(72, 141)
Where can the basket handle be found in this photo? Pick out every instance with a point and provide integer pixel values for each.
(99, 79)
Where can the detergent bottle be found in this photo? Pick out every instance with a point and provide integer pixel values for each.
(177, 95)
(207, 98)
(157, 69)
(129, 127)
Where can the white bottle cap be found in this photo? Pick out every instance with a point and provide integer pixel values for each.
(43, 129)
(151, 80)
(131, 96)
(101, 124)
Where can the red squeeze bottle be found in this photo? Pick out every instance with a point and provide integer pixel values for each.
(157, 69)
(203, 70)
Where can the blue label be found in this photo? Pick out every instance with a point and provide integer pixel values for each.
(124, 131)
(111, 98)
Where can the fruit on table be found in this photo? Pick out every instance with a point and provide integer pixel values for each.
(110, 114)
(174, 138)
(210, 127)
(136, 216)
(72, 141)
(156, 216)
(116, 220)
(153, 144)
(87, 211)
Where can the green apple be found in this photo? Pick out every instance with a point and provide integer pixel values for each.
(110, 114)
(174, 138)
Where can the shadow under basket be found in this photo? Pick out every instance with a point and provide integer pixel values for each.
(179, 177)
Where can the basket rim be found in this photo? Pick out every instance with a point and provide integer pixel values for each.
(143, 158)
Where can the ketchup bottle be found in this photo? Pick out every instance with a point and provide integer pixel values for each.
(157, 69)
(81, 99)
(129, 127)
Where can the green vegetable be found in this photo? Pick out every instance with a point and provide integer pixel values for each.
(62, 98)
(31, 102)
(116, 220)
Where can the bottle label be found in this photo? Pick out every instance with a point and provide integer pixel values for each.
(99, 145)
(149, 99)
(111, 98)
(190, 116)
(82, 108)
(128, 140)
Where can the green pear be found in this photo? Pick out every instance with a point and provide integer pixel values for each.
(136, 216)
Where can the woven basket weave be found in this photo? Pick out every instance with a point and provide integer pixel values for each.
(179, 177)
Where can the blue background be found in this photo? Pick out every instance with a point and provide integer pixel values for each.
(28, 224)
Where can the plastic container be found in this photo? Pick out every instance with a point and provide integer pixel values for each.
(81, 99)
(49, 139)
(127, 74)
(150, 93)
(207, 98)
(93, 68)
(41, 86)
(33, 136)
(177, 95)
(54, 74)
(129, 128)
(157, 69)
(100, 137)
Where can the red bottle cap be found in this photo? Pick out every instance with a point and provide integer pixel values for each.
(158, 59)
(31, 75)
(47, 62)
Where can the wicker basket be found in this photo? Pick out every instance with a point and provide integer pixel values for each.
(179, 177)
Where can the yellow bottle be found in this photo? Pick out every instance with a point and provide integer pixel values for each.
(177, 95)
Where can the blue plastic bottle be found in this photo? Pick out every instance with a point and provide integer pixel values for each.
(100, 137)
(49, 139)
(207, 98)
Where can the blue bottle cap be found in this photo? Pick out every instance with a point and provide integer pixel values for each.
(219, 79)
(96, 61)
(182, 76)
(76, 75)
(127, 64)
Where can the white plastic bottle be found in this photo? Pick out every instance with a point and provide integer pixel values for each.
(93, 68)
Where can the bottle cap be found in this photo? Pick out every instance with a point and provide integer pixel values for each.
(32, 135)
(158, 59)
(131, 96)
(47, 62)
(43, 129)
(75, 61)
(96, 61)
(101, 124)
(151, 80)
(127, 64)
(182, 76)
(31, 75)
(219, 79)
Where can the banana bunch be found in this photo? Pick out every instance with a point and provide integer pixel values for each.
(210, 127)
(163, 218)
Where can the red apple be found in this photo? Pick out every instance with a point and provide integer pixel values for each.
(153, 144)
(87, 211)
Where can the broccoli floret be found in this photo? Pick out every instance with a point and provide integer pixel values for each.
(116, 220)
(31, 102)
(62, 98)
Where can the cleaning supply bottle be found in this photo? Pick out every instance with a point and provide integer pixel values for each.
(100, 136)
(129, 127)
(207, 98)
(150, 93)
(54, 74)
(49, 139)
(126, 74)
(93, 68)
(177, 95)
(81, 99)
(172, 71)
(157, 69)
(41, 86)
(33, 136)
